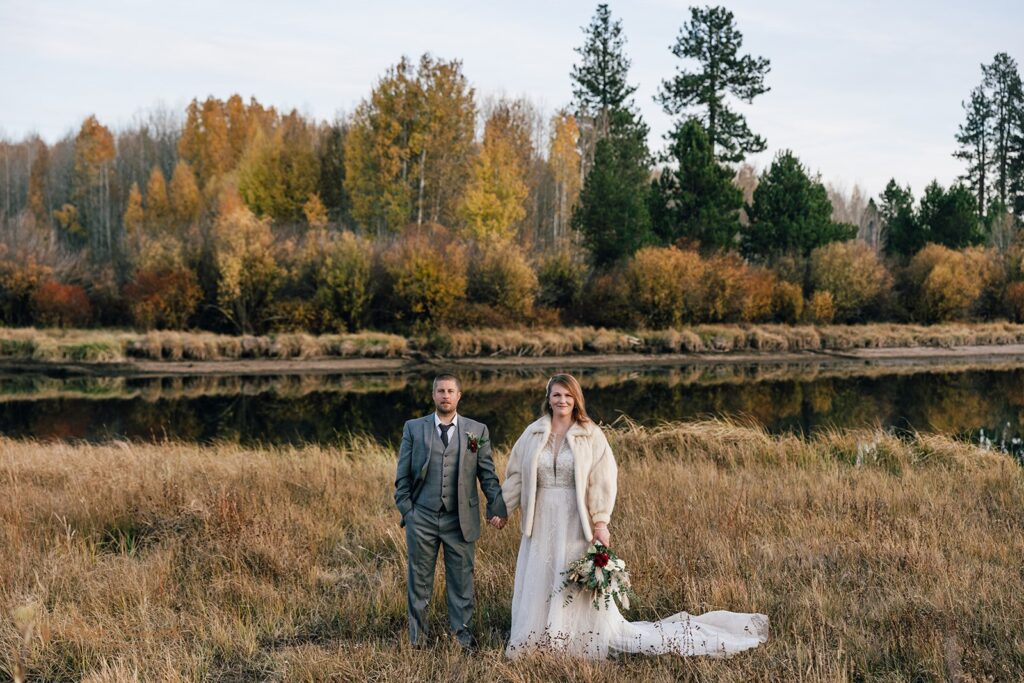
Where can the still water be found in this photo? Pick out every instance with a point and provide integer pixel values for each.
(974, 402)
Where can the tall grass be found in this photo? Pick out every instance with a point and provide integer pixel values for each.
(115, 346)
(876, 559)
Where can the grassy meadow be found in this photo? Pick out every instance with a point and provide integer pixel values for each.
(57, 345)
(875, 558)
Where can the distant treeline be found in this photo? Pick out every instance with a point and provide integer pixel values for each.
(426, 206)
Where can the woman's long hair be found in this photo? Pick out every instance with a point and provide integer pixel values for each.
(579, 408)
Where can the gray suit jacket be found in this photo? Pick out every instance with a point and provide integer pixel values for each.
(414, 456)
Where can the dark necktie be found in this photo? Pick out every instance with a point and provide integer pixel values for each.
(444, 433)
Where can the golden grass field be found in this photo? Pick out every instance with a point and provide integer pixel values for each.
(114, 346)
(877, 559)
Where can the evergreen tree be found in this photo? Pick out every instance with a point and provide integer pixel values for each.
(1003, 82)
(973, 138)
(791, 212)
(696, 198)
(902, 233)
(612, 215)
(949, 218)
(600, 87)
(331, 186)
(712, 39)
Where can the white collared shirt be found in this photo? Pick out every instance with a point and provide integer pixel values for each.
(451, 432)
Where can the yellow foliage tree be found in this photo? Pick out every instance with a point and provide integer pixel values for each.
(315, 212)
(853, 273)
(186, 202)
(497, 188)
(565, 162)
(665, 285)
(248, 274)
(158, 206)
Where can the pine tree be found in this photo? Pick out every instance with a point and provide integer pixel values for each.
(613, 216)
(902, 232)
(949, 217)
(1003, 83)
(38, 186)
(973, 138)
(711, 38)
(696, 198)
(791, 212)
(600, 87)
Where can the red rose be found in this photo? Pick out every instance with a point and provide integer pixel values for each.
(600, 559)
(473, 446)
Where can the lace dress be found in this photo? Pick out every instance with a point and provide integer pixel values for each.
(542, 621)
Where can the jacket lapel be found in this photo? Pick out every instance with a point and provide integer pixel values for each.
(428, 438)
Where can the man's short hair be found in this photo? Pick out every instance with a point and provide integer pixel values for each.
(447, 376)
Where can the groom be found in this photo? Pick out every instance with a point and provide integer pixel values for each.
(441, 457)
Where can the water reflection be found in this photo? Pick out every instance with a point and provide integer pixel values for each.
(324, 408)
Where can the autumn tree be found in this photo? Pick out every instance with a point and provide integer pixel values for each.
(38, 186)
(407, 153)
(158, 205)
(564, 161)
(248, 274)
(493, 200)
(185, 198)
(277, 174)
(92, 185)
(331, 184)
(134, 216)
(712, 39)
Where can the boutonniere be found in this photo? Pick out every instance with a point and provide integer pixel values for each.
(474, 442)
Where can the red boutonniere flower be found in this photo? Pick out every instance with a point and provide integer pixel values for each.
(474, 442)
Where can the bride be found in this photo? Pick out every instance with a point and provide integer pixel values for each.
(562, 474)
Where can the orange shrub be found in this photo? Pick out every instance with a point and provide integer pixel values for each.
(59, 305)
(821, 308)
(664, 285)
(606, 301)
(854, 275)
(162, 299)
(18, 284)
(733, 291)
(1014, 301)
(943, 284)
(787, 302)
(425, 275)
(500, 276)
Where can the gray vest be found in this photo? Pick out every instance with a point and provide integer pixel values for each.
(440, 487)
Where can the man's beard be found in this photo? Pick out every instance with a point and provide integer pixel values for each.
(444, 411)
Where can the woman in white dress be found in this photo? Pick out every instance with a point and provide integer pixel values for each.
(562, 474)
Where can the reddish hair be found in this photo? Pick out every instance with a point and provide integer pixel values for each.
(579, 408)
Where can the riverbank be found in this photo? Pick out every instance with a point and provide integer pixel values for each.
(875, 557)
(120, 353)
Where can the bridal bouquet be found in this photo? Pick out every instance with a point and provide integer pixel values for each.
(602, 573)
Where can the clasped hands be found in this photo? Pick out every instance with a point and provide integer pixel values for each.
(498, 522)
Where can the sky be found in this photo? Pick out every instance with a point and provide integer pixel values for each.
(860, 91)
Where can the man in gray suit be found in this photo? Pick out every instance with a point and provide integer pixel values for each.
(441, 457)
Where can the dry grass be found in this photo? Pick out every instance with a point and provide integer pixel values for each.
(876, 558)
(107, 346)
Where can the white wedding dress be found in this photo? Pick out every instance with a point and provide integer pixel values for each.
(541, 620)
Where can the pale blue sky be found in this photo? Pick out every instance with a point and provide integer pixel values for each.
(861, 91)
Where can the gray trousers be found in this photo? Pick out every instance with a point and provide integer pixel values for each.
(425, 532)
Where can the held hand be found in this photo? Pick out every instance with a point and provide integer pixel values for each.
(603, 536)
(497, 522)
